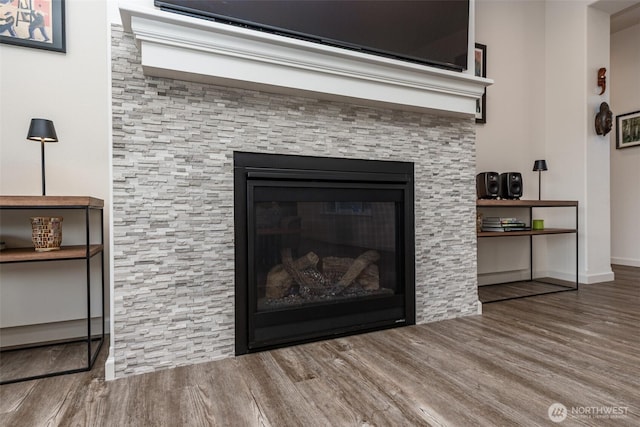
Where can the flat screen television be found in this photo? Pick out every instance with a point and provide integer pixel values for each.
(431, 32)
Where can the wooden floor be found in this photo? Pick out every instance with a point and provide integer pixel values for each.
(56, 357)
(504, 368)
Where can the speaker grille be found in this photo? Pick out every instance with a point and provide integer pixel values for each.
(511, 185)
(488, 185)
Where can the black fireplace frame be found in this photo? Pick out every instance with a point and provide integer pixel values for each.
(330, 171)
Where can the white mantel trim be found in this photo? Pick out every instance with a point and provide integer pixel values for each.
(188, 48)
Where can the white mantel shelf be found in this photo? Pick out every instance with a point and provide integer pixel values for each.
(194, 49)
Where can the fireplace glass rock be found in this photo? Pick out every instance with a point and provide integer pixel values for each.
(322, 252)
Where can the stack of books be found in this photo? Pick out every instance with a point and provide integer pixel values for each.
(494, 223)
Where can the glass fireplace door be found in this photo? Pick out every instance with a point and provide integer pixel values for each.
(321, 256)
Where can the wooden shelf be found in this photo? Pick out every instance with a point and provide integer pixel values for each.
(64, 253)
(494, 203)
(40, 202)
(526, 233)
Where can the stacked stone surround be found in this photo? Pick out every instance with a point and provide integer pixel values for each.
(173, 225)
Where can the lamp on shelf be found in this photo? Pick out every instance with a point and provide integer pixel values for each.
(539, 166)
(42, 130)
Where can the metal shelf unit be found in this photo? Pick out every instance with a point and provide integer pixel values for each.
(530, 205)
(78, 252)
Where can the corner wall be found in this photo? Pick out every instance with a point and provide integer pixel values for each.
(578, 45)
(597, 174)
(173, 144)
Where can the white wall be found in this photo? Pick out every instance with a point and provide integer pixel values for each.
(72, 90)
(624, 84)
(514, 135)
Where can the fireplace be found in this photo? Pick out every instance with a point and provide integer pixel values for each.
(205, 90)
(324, 247)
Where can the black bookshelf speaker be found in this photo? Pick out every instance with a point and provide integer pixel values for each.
(488, 185)
(511, 185)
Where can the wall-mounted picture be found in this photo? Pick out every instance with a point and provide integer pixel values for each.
(628, 130)
(480, 55)
(33, 23)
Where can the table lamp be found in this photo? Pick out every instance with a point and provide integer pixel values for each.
(539, 166)
(42, 130)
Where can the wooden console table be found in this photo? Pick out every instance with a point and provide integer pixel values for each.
(509, 290)
(85, 252)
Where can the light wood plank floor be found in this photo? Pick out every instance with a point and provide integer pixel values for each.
(504, 368)
(56, 357)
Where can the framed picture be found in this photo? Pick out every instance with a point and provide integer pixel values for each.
(33, 23)
(628, 130)
(480, 55)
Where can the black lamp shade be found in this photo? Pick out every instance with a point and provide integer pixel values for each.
(540, 165)
(42, 130)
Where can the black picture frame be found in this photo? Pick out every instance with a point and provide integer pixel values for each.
(38, 24)
(628, 130)
(480, 63)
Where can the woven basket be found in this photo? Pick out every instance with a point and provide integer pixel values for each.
(46, 233)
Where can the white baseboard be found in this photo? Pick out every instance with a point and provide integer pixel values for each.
(587, 279)
(513, 276)
(110, 366)
(630, 262)
(598, 278)
(502, 276)
(46, 332)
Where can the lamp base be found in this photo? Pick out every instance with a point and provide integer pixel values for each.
(44, 192)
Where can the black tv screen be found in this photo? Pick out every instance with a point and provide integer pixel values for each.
(431, 32)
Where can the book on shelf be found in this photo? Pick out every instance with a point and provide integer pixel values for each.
(501, 224)
(506, 229)
(499, 220)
